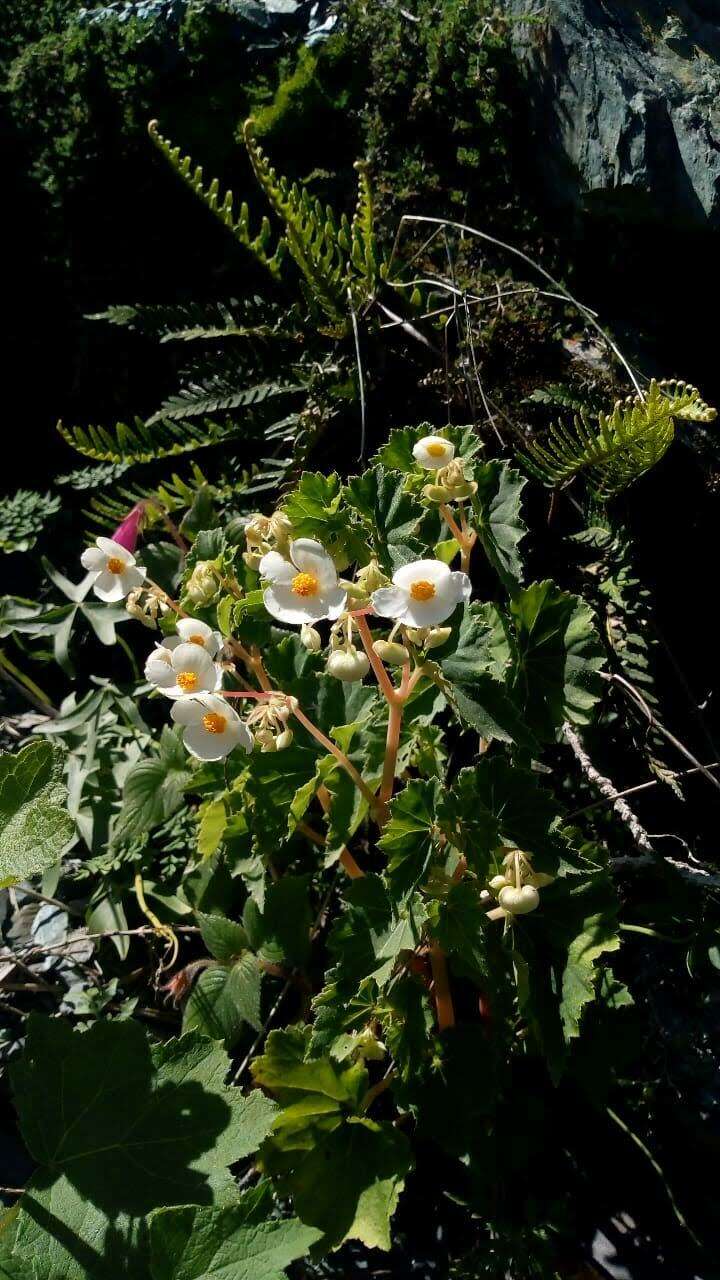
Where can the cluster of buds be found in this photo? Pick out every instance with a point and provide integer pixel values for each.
(203, 583)
(147, 606)
(264, 534)
(345, 661)
(516, 887)
(450, 485)
(427, 638)
(368, 579)
(269, 724)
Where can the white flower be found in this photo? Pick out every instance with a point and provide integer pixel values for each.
(116, 573)
(433, 452)
(423, 594)
(212, 728)
(347, 664)
(186, 669)
(304, 588)
(193, 631)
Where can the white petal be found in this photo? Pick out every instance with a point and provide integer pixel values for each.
(221, 706)
(207, 746)
(188, 711)
(241, 736)
(429, 613)
(311, 557)
(390, 602)
(93, 558)
(187, 627)
(335, 602)
(462, 586)
(131, 579)
(274, 568)
(158, 669)
(192, 657)
(116, 551)
(282, 602)
(421, 571)
(426, 459)
(108, 587)
(172, 642)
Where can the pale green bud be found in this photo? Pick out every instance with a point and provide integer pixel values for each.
(202, 585)
(519, 901)
(391, 652)
(348, 665)
(371, 577)
(310, 638)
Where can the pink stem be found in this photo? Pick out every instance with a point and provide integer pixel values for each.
(339, 755)
(381, 674)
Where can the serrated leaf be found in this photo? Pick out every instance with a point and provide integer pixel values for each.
(390, 513)
(119, 1129)
(153, 789)
(35, 826)
(235, 1242)
(225, 939)
(477, 663)
(498, 515)
(223, 998)
(281, 932)
(559, 658)
(410, 835)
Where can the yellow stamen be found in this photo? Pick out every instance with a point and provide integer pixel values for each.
(187, 681)
(214, 723)
(436, 450)
(422, 590)
(196, 640)
(115, 565)
(305, 584)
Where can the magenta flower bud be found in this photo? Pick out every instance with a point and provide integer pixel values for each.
(126, 534)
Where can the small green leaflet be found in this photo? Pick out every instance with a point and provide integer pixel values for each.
(35, 826)
(223, 999)
(154, 788)
(497, 506)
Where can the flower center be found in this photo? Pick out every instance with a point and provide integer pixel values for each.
(436, 450)
(196, 640)
(305, 584)
(422, 590)
(214, 723)
(115, 565)
(187, 681)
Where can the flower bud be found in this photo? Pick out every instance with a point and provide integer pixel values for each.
(391, 652)
(371, 577)
(280, 531)
(252, 559)
(519, 901)
(348, 664)
(497, 883)
(437, 636)
(126, 534)
(202, 585)
(310, 638)
(284, 739)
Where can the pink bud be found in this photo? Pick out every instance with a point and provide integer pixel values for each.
(126, 534)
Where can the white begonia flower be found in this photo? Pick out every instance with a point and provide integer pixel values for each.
(305, 587)
(116, 573)
(211, 727)
(423, 594)
(193, 631)
(433, 452)
(186, 669)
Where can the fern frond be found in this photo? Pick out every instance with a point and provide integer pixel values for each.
(214, 394)
(621, 446)
(235, 218)
(145, 441)
(170, 496)
(252, 318)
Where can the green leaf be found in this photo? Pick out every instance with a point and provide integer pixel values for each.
(211, 827)
(410, 836)
(349, 1182)
(391, 516)
(153, 789)
(281, 932)
(372, 932)
(236, 1242)
(224, 939)
(559, 658)
(284, 1069)
(497, 506)
(477, 662)
(223, 998)
(117, 1130)
(460, 928)
(497, 803)
(315, 510)
(34, 823)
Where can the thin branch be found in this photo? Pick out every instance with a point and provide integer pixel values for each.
(654, 723)
(607, 789)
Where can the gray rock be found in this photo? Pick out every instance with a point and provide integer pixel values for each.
(625, 102)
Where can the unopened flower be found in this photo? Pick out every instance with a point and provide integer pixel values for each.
(310, 638)
(519, 901)
(186, 669)
(202, 585)
(433, 452)
(305, 587)
(391, 652)
(450, 485)
(127, 532)
(428, 637)
(422, 594)
(116, 573)
(146, 607)
(211, 727)
(371, 577)
(269, 723)
(348, 664)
